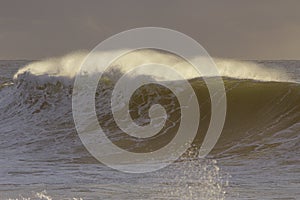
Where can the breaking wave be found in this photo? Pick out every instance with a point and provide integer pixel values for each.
(262, 103)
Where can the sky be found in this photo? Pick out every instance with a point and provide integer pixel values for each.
(256, 29)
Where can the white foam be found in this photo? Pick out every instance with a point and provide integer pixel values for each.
(67, 66)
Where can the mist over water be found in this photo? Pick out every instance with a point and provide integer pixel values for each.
(257, 156)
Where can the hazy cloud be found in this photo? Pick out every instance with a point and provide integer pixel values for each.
(267, 29)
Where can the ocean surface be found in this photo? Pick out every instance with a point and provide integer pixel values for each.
(256, 157)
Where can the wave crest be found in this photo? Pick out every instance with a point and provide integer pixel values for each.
(65, 68)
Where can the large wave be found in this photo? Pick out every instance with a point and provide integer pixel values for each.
(263, 103)
(40, 143)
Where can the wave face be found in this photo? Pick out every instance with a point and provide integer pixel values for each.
(261, 128)
(252, 89)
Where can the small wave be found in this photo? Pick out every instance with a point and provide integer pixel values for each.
(39, 195)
